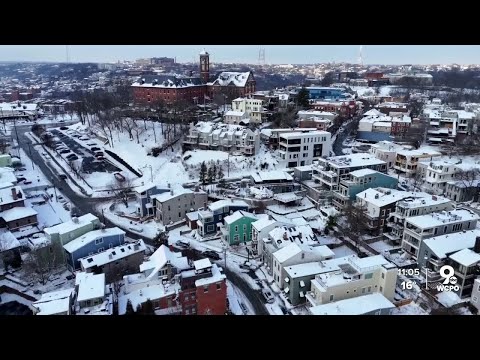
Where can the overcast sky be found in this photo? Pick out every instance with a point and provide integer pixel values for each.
(274, 54)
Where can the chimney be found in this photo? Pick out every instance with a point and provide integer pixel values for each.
(285, 236)
(14, 194)
(75, 219)
(476, 248)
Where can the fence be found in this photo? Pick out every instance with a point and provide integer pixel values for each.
(123, 162)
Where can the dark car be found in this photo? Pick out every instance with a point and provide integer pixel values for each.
(95, 149)
(63, 176)
(72, 157)
(211, 254)
(27, 182)
(64, 128)
(64, 151)
(20, 179)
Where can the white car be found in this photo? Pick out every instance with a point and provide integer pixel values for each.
(267, 294)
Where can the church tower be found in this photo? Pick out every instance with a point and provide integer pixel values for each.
(204, 65)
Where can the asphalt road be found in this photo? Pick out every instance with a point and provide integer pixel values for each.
(87, 205)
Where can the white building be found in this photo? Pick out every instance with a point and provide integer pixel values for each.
(253, 108)
(414, 206)
(235, 117)
(307, 114)
(299, 149)
(419, 228)
(294, 254)
(386, 151)
(374, 123)
(330, 171)
(58, 302)
(223, 137)
(350, 277)
(373, 304)
(94, 297)
(260, 230)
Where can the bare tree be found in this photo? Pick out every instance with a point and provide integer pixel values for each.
(469, 180)
(40, 264)
(355, 222)
(138, 130)
(128, 124)
(121, 190)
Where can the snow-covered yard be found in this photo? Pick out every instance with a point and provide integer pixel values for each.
(381, 246)
(343, 251)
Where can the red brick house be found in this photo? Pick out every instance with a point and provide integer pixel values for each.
(211, 291)
(173, 88)
(18, 217)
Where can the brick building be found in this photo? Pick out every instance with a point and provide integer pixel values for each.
(173, 88)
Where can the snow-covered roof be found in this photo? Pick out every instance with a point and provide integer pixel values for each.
(308, 269)
(274, 175)
(450, 243)
(262, 223)
(235, 113)
(237, 215)
(17, 213)
(192, 216)
(38, 242)
(71, 225)
(8, 241)
(172, 194)
(403, 119)
(382, 124)
(90, 286)
(464, 184)
(54, 302)
(146, 187)
(159, 259)
(140, 296)
(354, 306)
(223, 203)
(287, 197)
(442, 218)
(383, 196)
(231, 78)
(363, 172)
(216, 277)
(315, 113)
(388, 146)
(354, 160)
(373, 112)
(13, 106)
(6, 196)
(324, 251)
(113, 254)
(423, 201)
(167, 81)
(369, 262)
(8, 176)
(202, 264)
(466, 257)
(287, 252)
(295, 134)
(284, 235)
(93, 235)
(418, 153)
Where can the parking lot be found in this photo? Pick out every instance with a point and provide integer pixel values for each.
(85, 154)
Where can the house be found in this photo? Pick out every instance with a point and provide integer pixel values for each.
(90, 243)
(358, 181)
(55, 303)
(318, 123)
(462, 191)
(294, 254)
(400, 125)
(5, 160)
(144, 193)
(419, 228)
(65, 232)
(192, 218)
(316, 92)
(208, 220)
(18, 217)
(260, 229)
(308, 114)
(277, 181)
(331, 170)
(373, 304)
(163, 264)
(253, 108)
(345, 108)
(475, 294)
(234, 117)
(459, 250)
(302, 173)
(9, 249)
(282, 236)
(223, 137)
(211, 290)
(115, 262)
(172, 206)
(413, 206)
(238, 227)
(378, 203)
(94, 297)
(406, 161)
(11, 197)
(7, 176)
(298, 149)
(271, 137)
(386, 151)
(351, 277)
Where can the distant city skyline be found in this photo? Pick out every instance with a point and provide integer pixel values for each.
(274, 54)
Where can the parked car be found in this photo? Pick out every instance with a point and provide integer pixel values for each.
(95, 149)
(267, 294)
(27, 182)
(91, 144)
(182, 244)
(64, 151)
(211, 254)
(63, 128)
(72, 157)
(20, 179)
(62, 176)
(84, 138)
(187, 157)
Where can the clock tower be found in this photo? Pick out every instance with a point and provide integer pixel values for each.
(204, 65)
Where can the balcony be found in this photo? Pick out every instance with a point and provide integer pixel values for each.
(392, 236)
(310, 296)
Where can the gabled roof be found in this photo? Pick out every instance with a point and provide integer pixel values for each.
(159, 259)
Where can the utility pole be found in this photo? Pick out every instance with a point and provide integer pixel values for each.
(225, 255)
(228, 164)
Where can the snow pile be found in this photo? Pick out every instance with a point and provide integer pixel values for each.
(261, 193)
(448, 298)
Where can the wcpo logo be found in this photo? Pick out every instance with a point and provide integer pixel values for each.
(450, 282)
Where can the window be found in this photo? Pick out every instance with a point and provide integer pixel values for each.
(244, 237)
(219, 217)
(369, 289)
(331, 297)
(383, 275)
(363, 290)
(100, 250)
(474, 299)
(110, 246)
(244, 227)
(368, 276)
(179, 214)
(98, 241)
(236, 228)
(205, 289)
(187, 311)
(381, 289)
(219, 286)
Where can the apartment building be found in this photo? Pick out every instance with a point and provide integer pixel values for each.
(215, 213)
(223, 137)
(414, 206)
(271, 137)
(253, 108)
(358, 181)
(351, 277)
(419, 228)
(330, 171)
(444, 126)
(462, 190)
(406, 161)
(235, 117)
(299, 149)
(386, 151)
